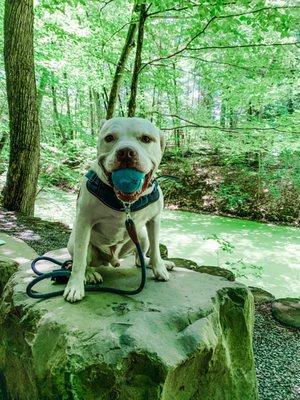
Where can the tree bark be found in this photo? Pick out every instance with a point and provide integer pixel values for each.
(128, 46)
(23, 170)
(137, 61)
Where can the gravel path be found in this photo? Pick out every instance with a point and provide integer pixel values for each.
(276, 348)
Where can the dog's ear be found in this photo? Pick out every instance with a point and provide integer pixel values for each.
(162, 141)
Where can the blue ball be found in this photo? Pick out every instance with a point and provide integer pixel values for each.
(128, 180)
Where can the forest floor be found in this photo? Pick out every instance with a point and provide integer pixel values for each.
(276, 347)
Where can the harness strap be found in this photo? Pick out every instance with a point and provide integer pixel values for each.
(106, 194)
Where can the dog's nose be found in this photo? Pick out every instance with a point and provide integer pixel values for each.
(126, 154)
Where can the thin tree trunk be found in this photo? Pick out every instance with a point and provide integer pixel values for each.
(70, 128)
(42, 86)
(128, 46)
(176, 131)
(137, 61)
(104, 101)
(153, 103)
(121, 106)
(57, 120)
(99, 114)
(3, 140)
(92, 118)
(23, 170)
(105, 97)
(223, 114)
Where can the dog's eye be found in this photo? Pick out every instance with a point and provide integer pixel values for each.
(145, 139)
(109, 138)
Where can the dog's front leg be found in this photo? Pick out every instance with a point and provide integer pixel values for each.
(158, 265)
(74, 290)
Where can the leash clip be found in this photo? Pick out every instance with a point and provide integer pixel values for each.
(127, 210)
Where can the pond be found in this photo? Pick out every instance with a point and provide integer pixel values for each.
(213, 240)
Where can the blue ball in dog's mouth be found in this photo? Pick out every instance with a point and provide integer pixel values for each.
(128, 180)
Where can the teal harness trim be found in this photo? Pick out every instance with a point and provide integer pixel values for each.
(107, 195)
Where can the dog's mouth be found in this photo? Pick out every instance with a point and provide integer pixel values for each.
(128, 197)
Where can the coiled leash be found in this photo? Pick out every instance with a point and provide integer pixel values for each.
(62, 274)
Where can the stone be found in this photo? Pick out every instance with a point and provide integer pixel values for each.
(204, 269)
(13, 252)
(217, 271)
(16, 249)
(184, 263)
(189, 338)
(287, 311)
(7, 268)
(261, 295)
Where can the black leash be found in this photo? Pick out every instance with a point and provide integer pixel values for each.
(62, 274)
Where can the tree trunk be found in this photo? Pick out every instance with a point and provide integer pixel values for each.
(137, 61)
(99, 114)
(129, 44)
(92, 118)
(223, 114)
(23, 170)
(57, 119)
(70, 124)
(3, 140)
(176, 103)
(42, 86)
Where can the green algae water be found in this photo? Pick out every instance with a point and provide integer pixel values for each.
(275, 249)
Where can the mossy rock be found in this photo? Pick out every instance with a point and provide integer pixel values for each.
(172, 341)
(163, 251)
(287, 311)
(261, 295)
(7, 268)
(217, 271)
(204, 269)
(184, 263)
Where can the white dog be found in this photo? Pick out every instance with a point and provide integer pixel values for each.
(99, 236)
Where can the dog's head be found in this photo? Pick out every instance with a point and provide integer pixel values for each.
(130, 143)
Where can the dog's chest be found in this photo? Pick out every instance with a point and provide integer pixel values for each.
(109, 230)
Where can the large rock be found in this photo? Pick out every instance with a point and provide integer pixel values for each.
(189, 338)
(261, 296)
(7, 268)
(287, 311)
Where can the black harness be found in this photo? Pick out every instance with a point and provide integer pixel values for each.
(107, 196)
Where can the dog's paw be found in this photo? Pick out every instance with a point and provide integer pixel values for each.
(169, 264)
(160, 271)
(147, 262)
(74, 290)
(92, 276)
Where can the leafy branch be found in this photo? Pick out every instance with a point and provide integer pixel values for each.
(203, 30)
